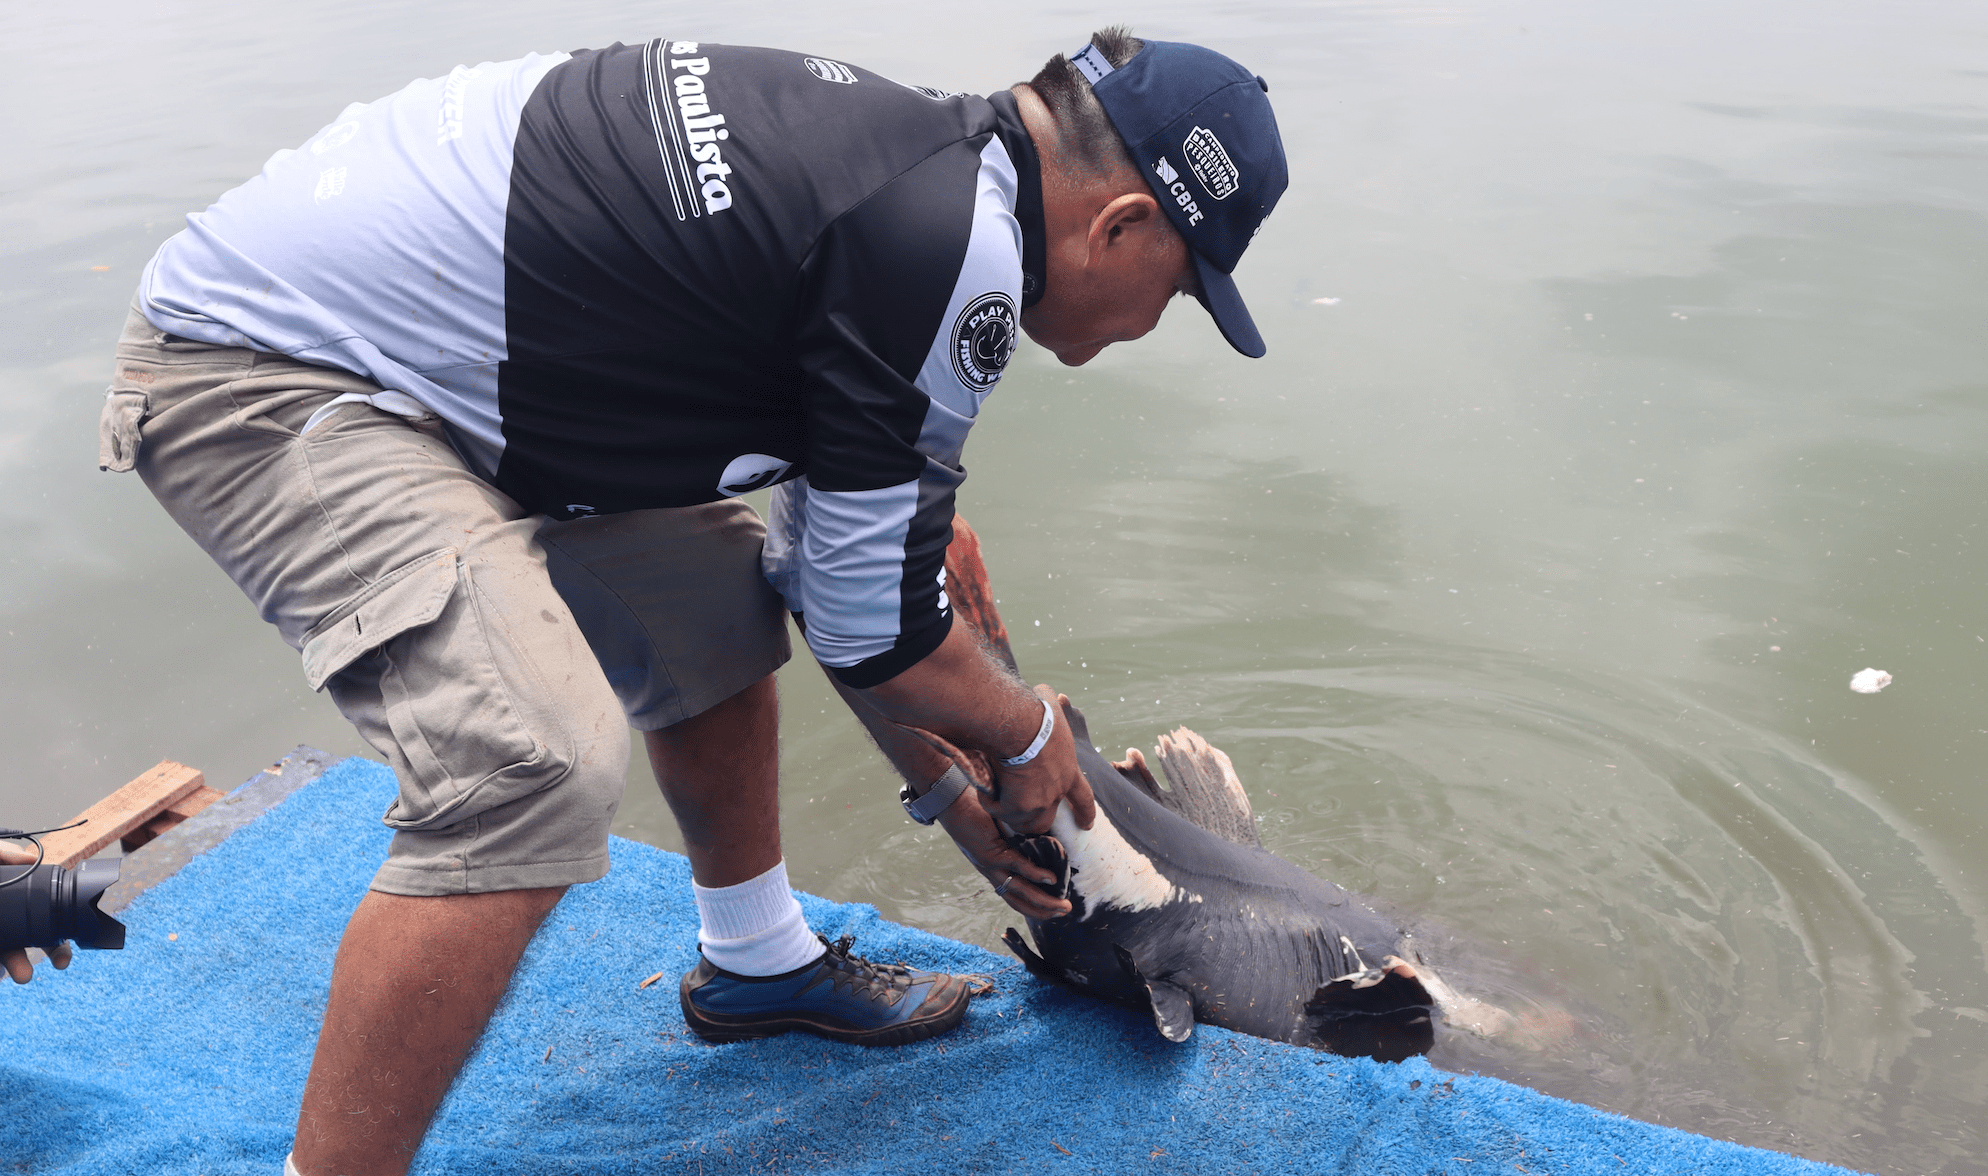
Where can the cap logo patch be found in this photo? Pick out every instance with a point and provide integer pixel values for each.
(983, 340)
(1210, 163)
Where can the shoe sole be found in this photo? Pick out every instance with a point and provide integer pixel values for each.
(721, 1030)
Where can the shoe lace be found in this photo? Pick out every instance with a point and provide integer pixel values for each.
(888, 982)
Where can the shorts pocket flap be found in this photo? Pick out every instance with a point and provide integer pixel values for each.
(406, 598)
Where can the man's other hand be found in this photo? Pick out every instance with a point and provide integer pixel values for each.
(1026, 797)
(1024, 885)
(16, 960)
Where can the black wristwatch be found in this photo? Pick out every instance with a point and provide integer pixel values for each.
(938, 798)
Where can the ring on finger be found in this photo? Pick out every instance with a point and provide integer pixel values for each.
(1001, 891)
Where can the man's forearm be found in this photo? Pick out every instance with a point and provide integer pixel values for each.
(962, 695)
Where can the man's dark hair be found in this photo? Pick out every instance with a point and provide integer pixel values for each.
(1084, 130)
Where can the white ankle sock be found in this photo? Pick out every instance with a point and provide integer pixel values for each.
(755, 928)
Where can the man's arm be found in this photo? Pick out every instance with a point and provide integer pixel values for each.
(964, 696)
(1015, 878)
(898, 381)
(15, 960)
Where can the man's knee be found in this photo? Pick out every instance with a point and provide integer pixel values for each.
(509, 748)
(548, 828)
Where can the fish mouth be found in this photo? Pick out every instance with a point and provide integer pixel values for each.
(1046, 851)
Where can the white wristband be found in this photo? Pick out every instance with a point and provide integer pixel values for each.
(1041, 737)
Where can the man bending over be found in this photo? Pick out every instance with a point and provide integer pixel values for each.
(462, 394)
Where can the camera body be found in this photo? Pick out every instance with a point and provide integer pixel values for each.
(50, 904)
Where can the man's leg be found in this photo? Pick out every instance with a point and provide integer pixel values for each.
(417, 595)
(677, 608)
(763, 971)
(423, 976)
(720, 772)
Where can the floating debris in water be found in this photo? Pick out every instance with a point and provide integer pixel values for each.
(1325, 302)
(1869, 681)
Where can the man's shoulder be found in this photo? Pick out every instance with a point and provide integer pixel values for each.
(840, 115)
(728, 129)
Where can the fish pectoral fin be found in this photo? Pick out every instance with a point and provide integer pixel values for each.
(1173, 1010)
(1036, 965)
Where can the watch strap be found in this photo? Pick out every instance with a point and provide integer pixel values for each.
(938, 798)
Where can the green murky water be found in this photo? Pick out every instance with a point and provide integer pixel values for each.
(1625, 397)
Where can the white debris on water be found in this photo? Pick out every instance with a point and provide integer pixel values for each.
(1325, 302)
(1869, 681)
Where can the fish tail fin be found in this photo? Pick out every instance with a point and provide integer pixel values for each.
(1382, 1012)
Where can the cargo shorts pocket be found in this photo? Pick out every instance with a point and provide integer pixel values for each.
(424, 675)
(117, 430)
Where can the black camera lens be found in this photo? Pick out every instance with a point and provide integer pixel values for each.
(50, 904)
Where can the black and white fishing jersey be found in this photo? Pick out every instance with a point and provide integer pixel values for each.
(658, 275)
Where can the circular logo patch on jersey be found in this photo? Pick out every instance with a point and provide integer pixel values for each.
(830, 71)
(983, 340)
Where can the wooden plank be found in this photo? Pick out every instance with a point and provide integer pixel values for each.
(163, 857)
(194, 801)
(173, 814)
(123, 811)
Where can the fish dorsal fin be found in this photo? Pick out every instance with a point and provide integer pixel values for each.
(1202, 787)
(1173, 1008)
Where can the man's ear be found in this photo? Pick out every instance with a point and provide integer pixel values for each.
(1108, 226)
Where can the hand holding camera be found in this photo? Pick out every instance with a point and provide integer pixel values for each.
(45, 906)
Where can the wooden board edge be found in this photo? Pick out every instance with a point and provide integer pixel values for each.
(164, 855)
(117, 815)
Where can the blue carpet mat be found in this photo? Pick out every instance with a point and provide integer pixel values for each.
(186, 1053)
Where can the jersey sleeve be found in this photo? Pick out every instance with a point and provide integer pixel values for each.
(907, 317)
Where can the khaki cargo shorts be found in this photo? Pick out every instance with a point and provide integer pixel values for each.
(495, 658)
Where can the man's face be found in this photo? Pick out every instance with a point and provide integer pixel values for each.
(1111, 283)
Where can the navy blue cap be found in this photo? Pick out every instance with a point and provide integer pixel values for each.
(1200, 128)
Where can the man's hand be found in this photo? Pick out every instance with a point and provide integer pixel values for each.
(962, 695)
(16, 960)
(1015, 878)
(1026, 797)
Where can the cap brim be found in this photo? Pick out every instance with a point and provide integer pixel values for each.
(1225, 306)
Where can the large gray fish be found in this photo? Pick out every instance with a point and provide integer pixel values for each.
(1177, 907)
